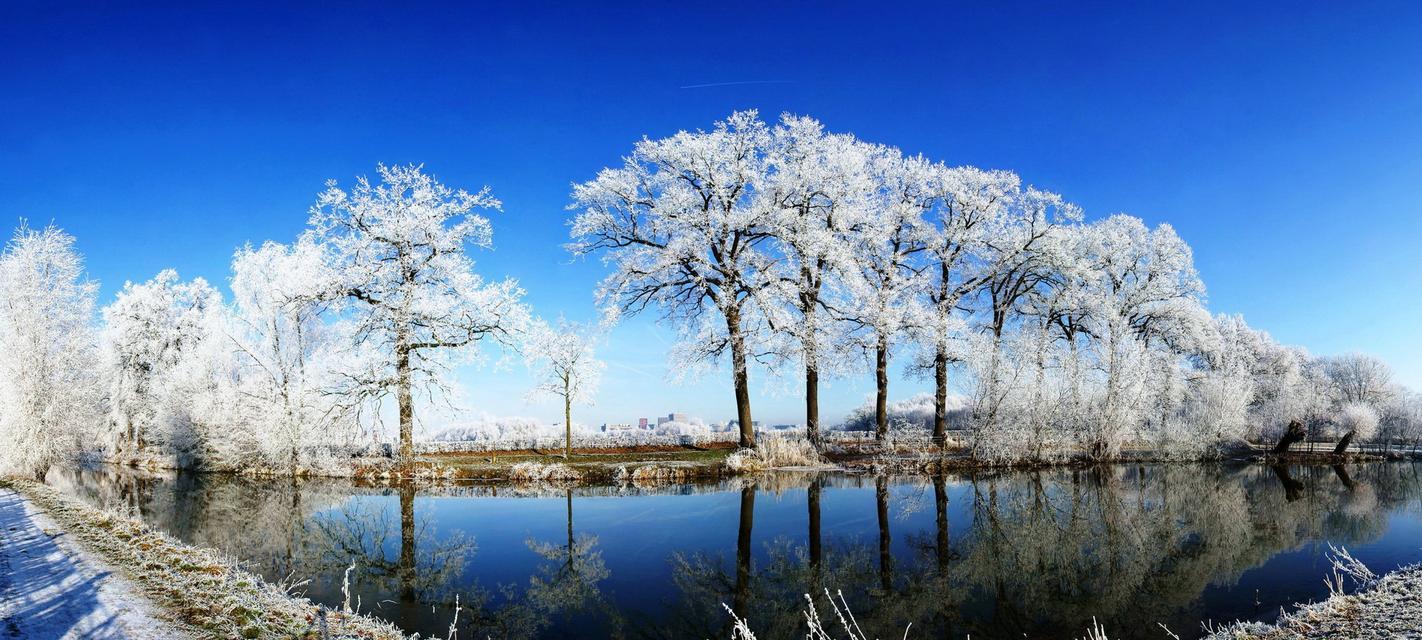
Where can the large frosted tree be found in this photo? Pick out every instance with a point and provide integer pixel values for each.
(681, 225)
(1144, 299)
(818, 190)
(887, 278)
(397, 263)
(48, 402)
(969, 224)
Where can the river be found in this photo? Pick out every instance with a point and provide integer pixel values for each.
(991, 554)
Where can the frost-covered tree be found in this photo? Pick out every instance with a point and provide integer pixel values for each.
(1401, 417)
(683, 229)
(48, 403)
(884, 286)
(818, 187)
(1221, 384)
(1142, 293)
(1355, 420)
(150, 330)
(398, 264)
(1358, 377)
(282, 349)
(1023, 254)
(970, 207)
(565, 365)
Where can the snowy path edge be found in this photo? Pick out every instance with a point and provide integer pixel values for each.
(53, 587)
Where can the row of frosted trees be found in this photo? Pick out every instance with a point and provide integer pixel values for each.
(372, 306)
(819, 255)
(782, 248)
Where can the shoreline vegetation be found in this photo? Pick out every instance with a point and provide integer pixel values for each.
(202, 590)
(1389, 606)
(616, 463)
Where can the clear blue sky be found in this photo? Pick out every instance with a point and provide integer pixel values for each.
(1284, 141)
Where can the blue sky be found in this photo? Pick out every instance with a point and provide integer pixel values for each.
(1282, 140)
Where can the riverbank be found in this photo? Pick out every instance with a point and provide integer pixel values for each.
(50, 587)
(591, 466)
(663, 462)
(191, 591)
(1392, 608)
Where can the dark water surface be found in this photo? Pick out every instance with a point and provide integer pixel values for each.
(992, 555)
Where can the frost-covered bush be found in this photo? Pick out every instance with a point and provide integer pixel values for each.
(775, 452)
(1216, 412)
(1401, 418)
(498, 428)
(1357, 420)
(538, 472)
(915, 412)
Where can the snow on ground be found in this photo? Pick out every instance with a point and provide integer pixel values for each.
(51, 589)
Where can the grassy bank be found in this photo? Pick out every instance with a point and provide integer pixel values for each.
(1391, 607)
(588, 466)
(664, 463)
(198, 587)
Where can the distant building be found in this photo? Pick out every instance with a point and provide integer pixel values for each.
(642, 423)
(674, 417)
(611, 427)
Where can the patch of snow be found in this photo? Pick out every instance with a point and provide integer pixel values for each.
(52, 589)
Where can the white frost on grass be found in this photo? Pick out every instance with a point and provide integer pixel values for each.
(51, 588)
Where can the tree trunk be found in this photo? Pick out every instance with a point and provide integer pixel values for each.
(567, 422)
(1294, 434)
(886, 560)
(881, 397)
(1342, 447)
(810, 345)
(812, 404)
(407, 543)
(940, 397)
(1293, 489)
(743, 550)
(742, 382)
(940, 503)
(1342, 474)
(405, 398)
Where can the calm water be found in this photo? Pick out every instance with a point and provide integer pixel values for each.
(992, 555)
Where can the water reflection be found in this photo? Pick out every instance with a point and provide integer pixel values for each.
(994, 554)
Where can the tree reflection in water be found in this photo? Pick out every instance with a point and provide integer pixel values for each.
(1048, 550)
(1002, 553)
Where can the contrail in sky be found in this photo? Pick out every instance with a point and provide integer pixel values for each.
(727, 84)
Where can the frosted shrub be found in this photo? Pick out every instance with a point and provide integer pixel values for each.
(537, 472)
(1015, 441)
(775, 452)
(1215, 413)
(1355, 421)
(1358, 418)
(915, 412)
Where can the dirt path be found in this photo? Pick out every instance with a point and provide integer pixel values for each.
(51, 589)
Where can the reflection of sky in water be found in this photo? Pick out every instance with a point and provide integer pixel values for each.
(1035, 553)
